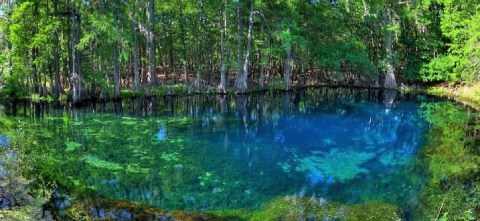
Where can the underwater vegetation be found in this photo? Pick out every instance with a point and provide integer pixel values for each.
(453, 162)
(341, 165)
(344, 155)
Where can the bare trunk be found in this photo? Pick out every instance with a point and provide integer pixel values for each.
(116, 73)
(184, 50)
(239, 40)
(261, 79)
(287, 73)
(241, 82)
(136, 59)
(76, 78)
(390, 82)
(151, 44)
(223, 80)
(56, 56)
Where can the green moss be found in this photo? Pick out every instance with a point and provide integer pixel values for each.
(232, 214)
(292, 208)
(374, 210)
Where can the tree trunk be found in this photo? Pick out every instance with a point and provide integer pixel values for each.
(261, 79)
(116, 73)
(223, 80)
(241, 82)
(76, 78)
(56, 56)
(239, 41)
(390, 82)
(184, 50)
(287, 71)
(136, 59)
(151, 44)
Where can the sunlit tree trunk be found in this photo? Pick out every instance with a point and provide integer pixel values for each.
(136, 58)
(151, 44)
(239, 41)
(184, 49)
(76, 78)
(390, 82)
(56, 56)
(241, 82)
(223, 79)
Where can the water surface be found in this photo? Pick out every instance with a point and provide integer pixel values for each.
(228, 152)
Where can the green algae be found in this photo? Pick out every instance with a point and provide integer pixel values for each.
(344, 165)
(101, 164)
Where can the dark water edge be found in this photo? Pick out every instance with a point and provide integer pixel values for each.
(20, 106)
(191, 105)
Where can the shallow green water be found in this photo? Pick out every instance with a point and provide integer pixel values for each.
(227, 152)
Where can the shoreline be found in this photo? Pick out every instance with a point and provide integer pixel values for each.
(465, 95)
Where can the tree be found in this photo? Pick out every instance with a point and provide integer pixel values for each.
(241, 81)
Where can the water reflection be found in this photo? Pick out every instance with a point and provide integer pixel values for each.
(215, 152)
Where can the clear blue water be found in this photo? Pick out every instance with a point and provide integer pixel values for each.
(227, 152)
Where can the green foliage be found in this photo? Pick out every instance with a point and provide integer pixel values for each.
(127, 94)
(432, 41)
(460, 27)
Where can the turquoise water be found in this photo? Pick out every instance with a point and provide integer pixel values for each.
(228, 152)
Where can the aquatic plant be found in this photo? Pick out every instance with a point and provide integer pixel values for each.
(343, 165)
(101, 164)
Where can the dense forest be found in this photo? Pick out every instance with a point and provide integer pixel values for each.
(101, 49)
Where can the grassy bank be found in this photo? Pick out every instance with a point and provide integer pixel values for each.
(467, 95)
